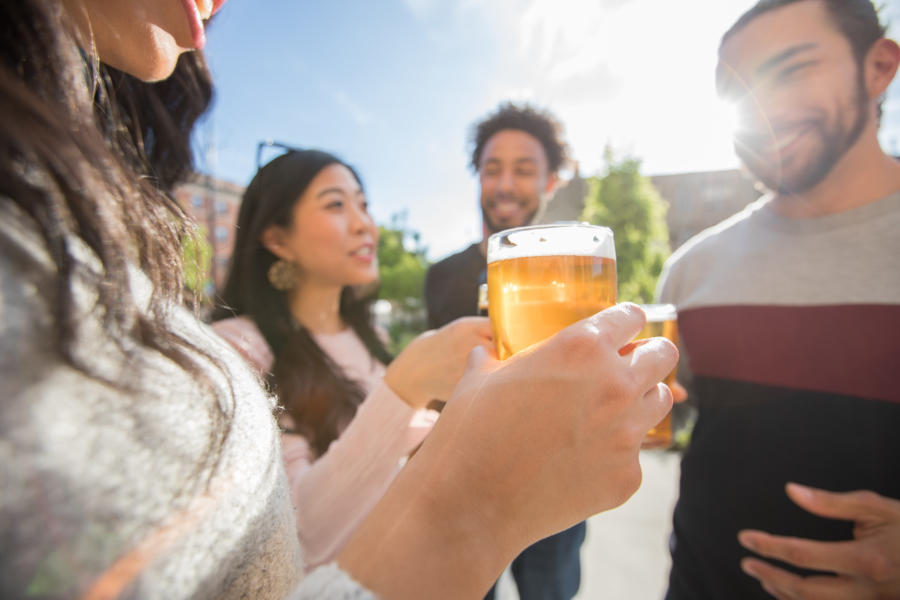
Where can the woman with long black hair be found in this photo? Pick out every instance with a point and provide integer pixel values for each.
(139, 454)
(297, 305)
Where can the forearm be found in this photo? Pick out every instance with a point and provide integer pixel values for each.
(420, 542)
(336, 492)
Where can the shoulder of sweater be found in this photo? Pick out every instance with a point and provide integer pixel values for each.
(712, 238)
(329, 581)
(245, 337)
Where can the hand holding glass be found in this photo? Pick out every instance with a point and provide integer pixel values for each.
(544, 278)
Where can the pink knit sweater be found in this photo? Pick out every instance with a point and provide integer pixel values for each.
(333, 494)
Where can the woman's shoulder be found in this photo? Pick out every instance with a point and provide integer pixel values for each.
(243, 334)
(27, 292)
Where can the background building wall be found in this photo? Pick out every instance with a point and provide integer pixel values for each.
(214, 204)
(695, 200)
(700, 200)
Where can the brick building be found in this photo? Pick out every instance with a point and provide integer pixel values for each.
(700, 200)
(214, 204)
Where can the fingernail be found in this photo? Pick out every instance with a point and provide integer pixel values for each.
(800, 490)
(664, 390)
(746, 540)
(749, 568)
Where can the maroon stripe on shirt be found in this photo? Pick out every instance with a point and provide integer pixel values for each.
(850, 349)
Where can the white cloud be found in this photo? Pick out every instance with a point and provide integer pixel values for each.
(359, 114)
(634, 73)
(422, 9)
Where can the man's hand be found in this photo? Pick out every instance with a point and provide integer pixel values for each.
(867, 567)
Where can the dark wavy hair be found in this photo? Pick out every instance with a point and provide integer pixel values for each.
(312, 388)
(90, 153)
(538, 123)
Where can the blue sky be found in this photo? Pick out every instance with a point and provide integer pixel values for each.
(393, 87)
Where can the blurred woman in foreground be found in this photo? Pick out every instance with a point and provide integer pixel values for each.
(140, 454)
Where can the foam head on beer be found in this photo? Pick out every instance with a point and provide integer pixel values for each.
(546, 277)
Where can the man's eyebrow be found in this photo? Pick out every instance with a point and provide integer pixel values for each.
(783, 56)
(521, 161)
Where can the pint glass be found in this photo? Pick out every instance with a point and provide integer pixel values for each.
(543, 278)
(661, 322)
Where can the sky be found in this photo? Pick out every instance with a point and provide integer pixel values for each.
(394, 86)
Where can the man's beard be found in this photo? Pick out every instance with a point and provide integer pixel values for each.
(494, 227)
(834, 143)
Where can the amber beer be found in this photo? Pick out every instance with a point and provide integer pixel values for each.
(662, 321)
(543, 278)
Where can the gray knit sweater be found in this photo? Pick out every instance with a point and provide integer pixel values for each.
(126, 493)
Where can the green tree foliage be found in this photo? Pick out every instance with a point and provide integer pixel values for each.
(402, 263)
(402, 267)
(626, 202)
(196, 254)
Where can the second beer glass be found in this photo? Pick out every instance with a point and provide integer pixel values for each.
(543, 278)
(662, 321)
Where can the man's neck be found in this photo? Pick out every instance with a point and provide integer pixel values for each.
(864, 174)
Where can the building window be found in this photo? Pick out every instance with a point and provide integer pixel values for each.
(221, 207)
(198, 201)
(221, 233)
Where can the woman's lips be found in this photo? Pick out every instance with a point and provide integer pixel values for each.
(198, 35)
(198, 11)
(364, 253)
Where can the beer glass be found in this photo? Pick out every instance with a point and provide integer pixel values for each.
(662, 321)
(543, 278)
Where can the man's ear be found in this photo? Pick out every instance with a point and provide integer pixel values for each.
(552, 181)
(881, 66)
(274, 239)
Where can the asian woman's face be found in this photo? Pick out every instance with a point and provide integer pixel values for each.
(144, 38)
(331, 237)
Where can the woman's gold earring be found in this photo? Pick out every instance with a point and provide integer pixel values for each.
(282, 275)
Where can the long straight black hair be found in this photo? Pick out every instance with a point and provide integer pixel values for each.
(312, 388)
(90, 153)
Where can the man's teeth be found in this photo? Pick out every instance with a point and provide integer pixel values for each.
(205, 8)
(366, 251)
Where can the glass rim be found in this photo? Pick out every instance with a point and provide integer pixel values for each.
(657, 312)
(494, 241)
(554, 225)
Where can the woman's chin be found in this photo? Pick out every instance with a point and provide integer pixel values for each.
(155, 65)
